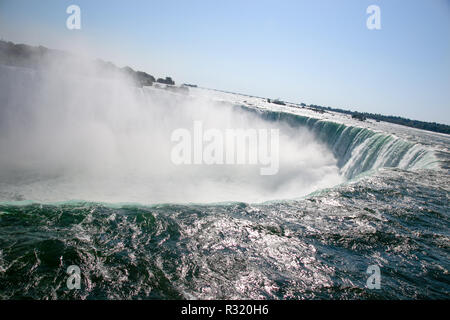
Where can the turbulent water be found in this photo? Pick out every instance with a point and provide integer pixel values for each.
(359, 194)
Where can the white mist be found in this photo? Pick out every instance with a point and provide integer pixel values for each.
(64, 137)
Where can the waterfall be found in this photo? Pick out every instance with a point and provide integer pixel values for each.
(358, 149)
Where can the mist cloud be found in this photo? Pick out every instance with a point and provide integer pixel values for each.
(71, 135)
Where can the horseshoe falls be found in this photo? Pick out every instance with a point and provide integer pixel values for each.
(87, 180)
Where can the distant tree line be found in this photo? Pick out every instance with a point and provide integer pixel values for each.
(430, 126)
(22, 55)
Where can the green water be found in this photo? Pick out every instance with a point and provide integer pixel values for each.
(317, 247)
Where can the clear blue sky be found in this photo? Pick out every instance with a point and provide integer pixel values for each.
(317, 52)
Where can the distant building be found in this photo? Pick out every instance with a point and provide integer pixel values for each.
(167, 80)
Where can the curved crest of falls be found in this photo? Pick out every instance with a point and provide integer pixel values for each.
(86, 179)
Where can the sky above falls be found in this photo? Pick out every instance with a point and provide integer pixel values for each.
(316, 52)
